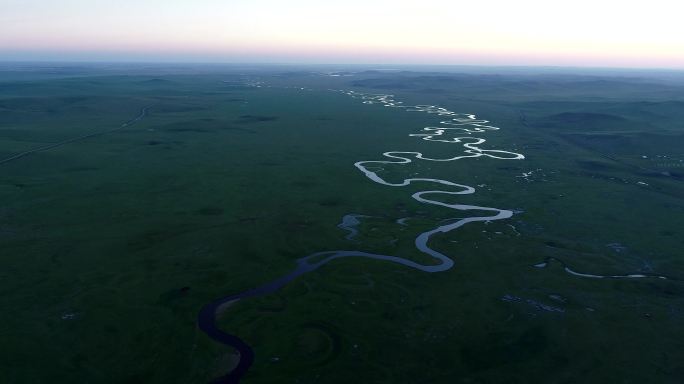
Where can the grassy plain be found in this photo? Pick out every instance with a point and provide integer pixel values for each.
(110, 245)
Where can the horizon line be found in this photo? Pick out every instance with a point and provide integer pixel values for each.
(332, 63)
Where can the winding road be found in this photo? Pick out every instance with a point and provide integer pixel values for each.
(142, 114)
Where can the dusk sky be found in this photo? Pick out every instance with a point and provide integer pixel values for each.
(525, 32)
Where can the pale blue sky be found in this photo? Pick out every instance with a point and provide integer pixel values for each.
(524, 32)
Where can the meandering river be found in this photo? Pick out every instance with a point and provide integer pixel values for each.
(467, 124)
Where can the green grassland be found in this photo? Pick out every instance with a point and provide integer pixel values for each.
(110, 245)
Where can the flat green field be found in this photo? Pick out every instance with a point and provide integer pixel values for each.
(110, 244)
